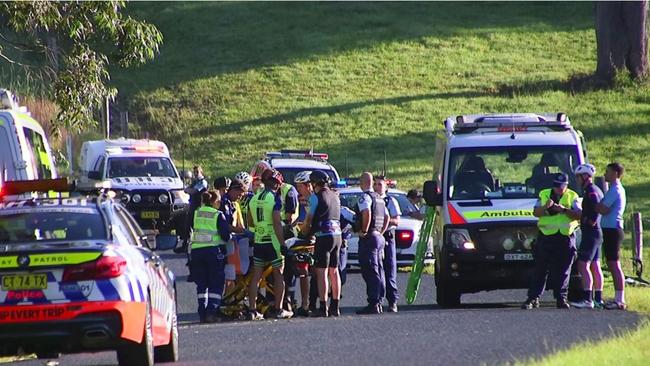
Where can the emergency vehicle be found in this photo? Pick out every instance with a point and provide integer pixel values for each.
(144, 176)
(77, 275)
(24, 150)
(292, 162)
(488, 172)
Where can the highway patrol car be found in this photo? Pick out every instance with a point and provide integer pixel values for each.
(488, 172)
(77, 275)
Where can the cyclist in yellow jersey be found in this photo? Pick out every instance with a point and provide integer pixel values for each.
(264, 215)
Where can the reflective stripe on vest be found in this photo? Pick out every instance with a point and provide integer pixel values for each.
(561, 223)
(206, 232)
(284, 190)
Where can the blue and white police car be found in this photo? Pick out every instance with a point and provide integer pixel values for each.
(78, 275)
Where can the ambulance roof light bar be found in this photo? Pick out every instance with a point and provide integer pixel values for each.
(469, 123)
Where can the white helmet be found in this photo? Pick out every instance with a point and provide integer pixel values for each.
(244, 178)
(588, 169)
(302, 177)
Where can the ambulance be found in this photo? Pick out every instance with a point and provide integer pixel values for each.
(25, 153)
(143, 175)
(488, 172)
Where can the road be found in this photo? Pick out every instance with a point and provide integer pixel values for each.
(489, 328)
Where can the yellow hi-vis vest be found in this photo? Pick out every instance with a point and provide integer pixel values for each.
(206, 232)
(284, 190)
(550, 225)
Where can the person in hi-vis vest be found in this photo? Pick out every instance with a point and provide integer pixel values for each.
(559, 216)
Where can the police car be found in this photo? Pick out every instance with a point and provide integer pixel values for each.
(143, 174)
(292, 162)
(407, 232)
(488, 172)
(77, 275)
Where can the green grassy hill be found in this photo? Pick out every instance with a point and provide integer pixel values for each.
(355, 79)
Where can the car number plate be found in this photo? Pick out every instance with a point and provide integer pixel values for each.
(150, 214)
(518, 256)
(24, 282)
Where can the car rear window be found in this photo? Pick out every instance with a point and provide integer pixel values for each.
(56, 224)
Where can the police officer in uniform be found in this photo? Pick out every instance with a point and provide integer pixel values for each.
(559, 216)
(209, 238)
(390, 251)
(374, 221)
(195, 190)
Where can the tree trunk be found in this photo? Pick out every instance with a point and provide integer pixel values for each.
(621, 38)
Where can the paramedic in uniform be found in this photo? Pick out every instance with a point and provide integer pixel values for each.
(559, 216)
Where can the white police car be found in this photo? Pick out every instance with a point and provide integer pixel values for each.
(77, 275)
(292, 162)
(407, 232)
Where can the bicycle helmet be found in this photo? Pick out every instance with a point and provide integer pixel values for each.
(244, 178)
(588, 169)
(222, 182)
(319, 177)
(272, 174)
(302, 177)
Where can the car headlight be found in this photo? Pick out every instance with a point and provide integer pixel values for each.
(163, 198)
(180, 195)
(125, 197)
(508, 243)
(460, 239)
(136, 198)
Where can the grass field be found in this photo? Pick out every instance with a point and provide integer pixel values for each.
(234, 80)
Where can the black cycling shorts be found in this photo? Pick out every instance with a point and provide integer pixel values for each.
(612, 241)
(327, 251)
(589, 250)
(267, 253)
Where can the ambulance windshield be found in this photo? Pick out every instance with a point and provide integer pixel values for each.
(508, 172)
(136, 166)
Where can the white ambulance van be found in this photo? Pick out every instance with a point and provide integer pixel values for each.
(144, 176)
(24, 150)
(488, 172)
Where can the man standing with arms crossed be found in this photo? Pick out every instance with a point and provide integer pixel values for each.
(390, 251)
(612, 207)
(592, 238)
(374, 221)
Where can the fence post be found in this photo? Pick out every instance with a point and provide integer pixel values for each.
(637, 248)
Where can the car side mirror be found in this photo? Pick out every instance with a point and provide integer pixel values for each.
(601, 183)
(431, 193)
(148, 241)
(95, 175)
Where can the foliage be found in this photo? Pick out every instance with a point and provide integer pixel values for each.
(69, 45)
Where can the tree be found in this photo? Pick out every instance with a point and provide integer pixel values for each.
(69, 46)
(621, 38)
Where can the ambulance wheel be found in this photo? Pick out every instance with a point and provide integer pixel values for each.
(169, 352)
(137, 354)
(446, 297)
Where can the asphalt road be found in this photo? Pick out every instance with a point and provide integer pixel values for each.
(488, 329)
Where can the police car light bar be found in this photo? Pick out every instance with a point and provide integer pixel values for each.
(16, 187)
(137, 149)
(297, 154)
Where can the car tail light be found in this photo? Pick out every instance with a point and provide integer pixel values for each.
(403, 238)
(103, 268)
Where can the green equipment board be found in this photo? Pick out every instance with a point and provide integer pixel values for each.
(418, 262)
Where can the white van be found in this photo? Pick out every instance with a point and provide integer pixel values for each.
(24, 150)
(144, 176)
(488, 172)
